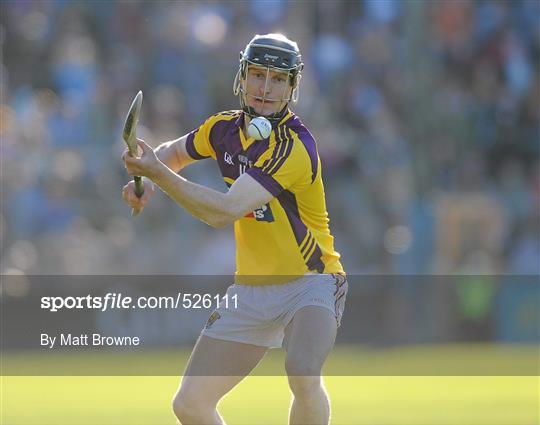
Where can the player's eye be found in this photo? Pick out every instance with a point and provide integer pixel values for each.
(279, 79)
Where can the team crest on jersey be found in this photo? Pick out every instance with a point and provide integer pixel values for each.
(244, 160)
(211, 320)
(263, 213)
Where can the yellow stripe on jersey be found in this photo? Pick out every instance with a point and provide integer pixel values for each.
(308, 252)
(305, 242)
(281, 150)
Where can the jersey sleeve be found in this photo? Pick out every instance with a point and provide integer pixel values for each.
(198, 144)
(284, 166)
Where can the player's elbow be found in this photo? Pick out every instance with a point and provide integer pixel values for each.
(232, 211)
(220, 221)
(227, 213)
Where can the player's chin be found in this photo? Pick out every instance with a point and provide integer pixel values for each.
(268, 109)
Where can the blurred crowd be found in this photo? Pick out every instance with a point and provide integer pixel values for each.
(426, 116)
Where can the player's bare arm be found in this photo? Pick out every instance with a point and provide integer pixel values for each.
(173, 154)
(215, 208)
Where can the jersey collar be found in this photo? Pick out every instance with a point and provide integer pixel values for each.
(248, 141)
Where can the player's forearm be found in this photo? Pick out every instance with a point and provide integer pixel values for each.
(166, 153)
(208, 205)
(173, 154)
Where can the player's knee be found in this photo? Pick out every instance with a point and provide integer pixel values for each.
(302, 366)
(304, 375)
(180, 407)
(304, 386)
(188, 407)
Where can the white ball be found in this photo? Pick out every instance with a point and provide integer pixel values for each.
(259, 128)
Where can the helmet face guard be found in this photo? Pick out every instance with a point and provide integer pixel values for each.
(272, 52)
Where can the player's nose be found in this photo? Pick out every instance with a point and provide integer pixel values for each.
(263, 89)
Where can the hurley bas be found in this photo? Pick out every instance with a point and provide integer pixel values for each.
(88, 340)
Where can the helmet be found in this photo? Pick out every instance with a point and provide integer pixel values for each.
(274, 52)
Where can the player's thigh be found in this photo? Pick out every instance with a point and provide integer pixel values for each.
(216, 366)
(309, 338)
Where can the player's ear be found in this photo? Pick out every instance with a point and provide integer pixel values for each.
(295, 88)
(295, 80)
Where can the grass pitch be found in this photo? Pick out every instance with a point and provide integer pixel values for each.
(264, 400)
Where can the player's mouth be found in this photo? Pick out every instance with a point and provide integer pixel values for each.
(265, 102)
(265, 107)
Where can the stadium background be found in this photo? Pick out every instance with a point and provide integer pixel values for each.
(427, 120)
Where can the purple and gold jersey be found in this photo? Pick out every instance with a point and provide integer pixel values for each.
(289, 236)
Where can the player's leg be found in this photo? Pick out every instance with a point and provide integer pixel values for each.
(214, 368)
(309, 337)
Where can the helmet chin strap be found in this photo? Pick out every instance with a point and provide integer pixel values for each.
(273, 118)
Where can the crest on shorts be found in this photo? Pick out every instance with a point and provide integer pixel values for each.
(213, 317)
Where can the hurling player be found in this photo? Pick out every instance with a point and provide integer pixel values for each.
(290, 285)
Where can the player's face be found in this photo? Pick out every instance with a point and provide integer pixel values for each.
(267, 90)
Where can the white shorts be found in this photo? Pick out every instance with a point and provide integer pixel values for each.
(263, 312)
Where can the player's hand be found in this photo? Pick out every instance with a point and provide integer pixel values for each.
(128, 194)
(147, 164)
